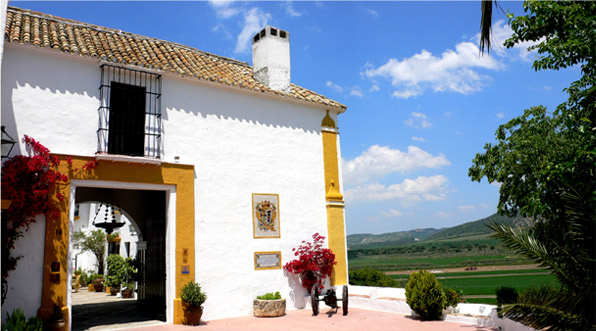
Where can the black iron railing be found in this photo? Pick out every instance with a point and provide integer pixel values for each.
(129, 112)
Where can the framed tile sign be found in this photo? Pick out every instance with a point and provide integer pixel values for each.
(267, 260)
(265, 215)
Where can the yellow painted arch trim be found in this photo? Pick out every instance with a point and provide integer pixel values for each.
(57, 226)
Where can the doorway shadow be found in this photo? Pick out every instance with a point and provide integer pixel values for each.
(108, 315)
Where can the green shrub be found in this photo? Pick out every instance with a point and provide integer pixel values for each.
(371, 277)
(17, 321)
(191, 294)
(506, 295)
(270, 296)
(115, 275)
(425, 296)
(84, 277)
(452, 297)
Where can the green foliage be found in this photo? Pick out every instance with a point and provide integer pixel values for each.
(17, 321)
(130, 273)
(84, 277)
(95, 243)
(372, 277)
(452, 297)
(270, 296)
(116, 269)
(425, 296)
(506, 295)
(191, 294)
(545, 164)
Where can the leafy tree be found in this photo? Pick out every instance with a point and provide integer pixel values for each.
(95, 243)
(546, 166)
(372, 277)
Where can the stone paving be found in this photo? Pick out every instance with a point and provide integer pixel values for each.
(101, 311)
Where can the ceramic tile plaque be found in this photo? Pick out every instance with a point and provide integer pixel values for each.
(265, 215)
(267, 260)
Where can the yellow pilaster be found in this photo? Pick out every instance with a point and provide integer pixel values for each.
(335, 203)
(56, 237)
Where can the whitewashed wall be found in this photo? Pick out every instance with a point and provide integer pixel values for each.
(25, 282)
(239, 143)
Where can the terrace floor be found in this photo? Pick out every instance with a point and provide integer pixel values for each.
(357, 319)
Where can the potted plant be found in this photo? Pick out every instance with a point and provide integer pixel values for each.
(98, 283)
(269, 305)
(115, 273)
(128, 290)
(130, 273)
(314, 263)
(113, 237)
(192, 300)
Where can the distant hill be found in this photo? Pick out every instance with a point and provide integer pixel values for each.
(469, 229)
(476, 228)
(389, 239)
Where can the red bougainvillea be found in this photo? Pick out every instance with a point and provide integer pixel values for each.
(314, 262)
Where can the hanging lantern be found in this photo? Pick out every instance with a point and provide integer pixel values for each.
(111, 219)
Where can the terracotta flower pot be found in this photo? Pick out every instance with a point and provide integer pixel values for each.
(114, 290)
(127, 293)
(192, 315)
(98, 285)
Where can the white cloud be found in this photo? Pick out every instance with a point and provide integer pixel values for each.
(224, 8)
(291, 11)
(418, 120)
(374, 88)
(334, 86)
(447, 114)
(500, 115)
(466, 208)
(547, 88)
(391, 213)
(356, 91)
(418, 139)
(484, 205)
(443, 214)
(378, 161)
(453, 71)
(373, 13)
(254, 20)
(497, 184)
(410, 191)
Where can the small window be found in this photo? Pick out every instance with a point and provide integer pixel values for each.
(129, 112)
(273, 32)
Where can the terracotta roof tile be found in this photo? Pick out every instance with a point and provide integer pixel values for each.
(73, 37)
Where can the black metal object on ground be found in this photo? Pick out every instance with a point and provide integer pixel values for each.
(330, 299)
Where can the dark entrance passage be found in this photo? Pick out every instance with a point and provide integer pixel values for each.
(148, 211)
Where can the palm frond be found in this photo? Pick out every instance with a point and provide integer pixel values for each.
(486, 23)
(548, 318)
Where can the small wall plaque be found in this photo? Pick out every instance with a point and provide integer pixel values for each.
(185, 269)
(267, 260)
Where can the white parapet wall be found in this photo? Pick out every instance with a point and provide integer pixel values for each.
(393, 300)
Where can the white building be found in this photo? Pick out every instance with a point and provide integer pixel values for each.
(190, 142)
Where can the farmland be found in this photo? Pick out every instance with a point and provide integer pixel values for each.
(463, 258)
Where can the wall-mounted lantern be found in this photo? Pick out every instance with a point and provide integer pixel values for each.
(7, 143)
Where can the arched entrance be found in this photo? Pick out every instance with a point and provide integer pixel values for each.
(147, 209)
(171, 184)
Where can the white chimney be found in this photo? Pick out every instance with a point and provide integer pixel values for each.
(271, 58)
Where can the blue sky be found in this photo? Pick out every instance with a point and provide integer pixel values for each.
(421, 102)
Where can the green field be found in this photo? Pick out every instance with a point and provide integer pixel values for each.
(488, 285)
(399, 262)
(478, 273)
